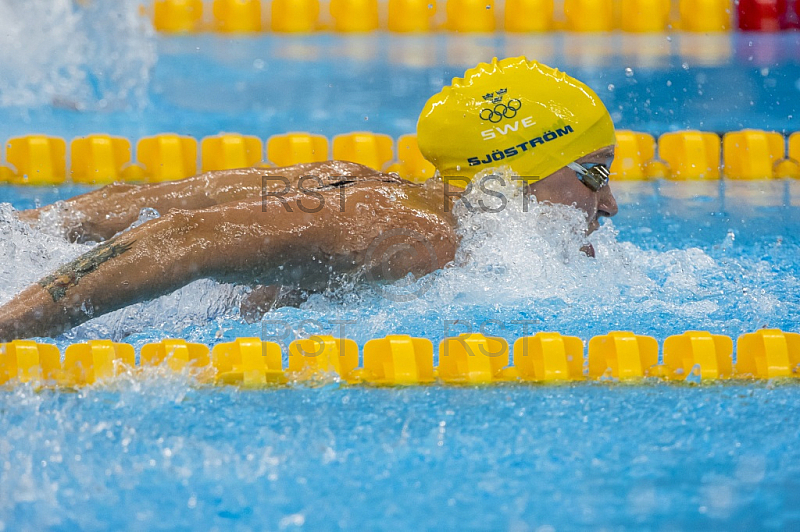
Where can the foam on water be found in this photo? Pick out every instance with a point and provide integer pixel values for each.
(95, 54)
(30, 254)
(524, 263)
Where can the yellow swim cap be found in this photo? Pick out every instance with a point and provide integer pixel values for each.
(513, 112)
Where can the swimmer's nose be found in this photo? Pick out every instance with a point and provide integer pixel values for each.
(606, 204)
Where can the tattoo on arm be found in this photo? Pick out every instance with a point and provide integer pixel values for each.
(70, 274)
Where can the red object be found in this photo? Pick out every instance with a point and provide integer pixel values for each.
(762, 15)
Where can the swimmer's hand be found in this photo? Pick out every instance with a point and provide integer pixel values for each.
(265, 298)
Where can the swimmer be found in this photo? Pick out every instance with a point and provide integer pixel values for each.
(289, 231)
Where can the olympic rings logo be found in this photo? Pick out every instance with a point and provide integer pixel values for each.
(501, 111)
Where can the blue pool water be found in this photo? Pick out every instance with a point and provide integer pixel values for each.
(329, 84)
(160, 452)
(162, 455)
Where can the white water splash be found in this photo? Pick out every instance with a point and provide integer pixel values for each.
(88, 54)
(513, 264)
(29, 254)
(526, 263)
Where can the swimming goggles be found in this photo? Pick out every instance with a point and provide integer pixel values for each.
(593, 175)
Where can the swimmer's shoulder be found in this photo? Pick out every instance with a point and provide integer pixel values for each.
(334, 174)
(330, 174)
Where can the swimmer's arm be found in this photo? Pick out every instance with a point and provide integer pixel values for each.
(153, 259)
(150, 260)
(102, 213)
(239, 242)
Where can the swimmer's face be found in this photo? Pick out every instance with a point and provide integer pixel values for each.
(564, 187)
